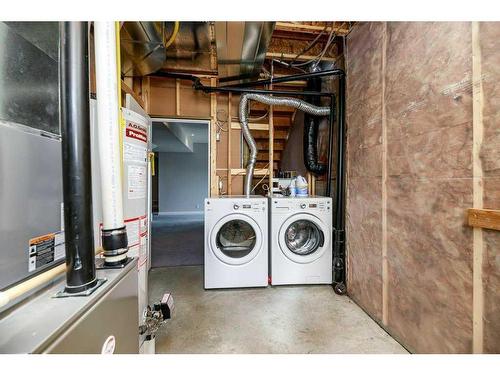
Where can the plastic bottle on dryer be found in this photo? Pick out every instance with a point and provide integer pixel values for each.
(292, 188)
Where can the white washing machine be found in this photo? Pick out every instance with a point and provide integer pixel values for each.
(300, 240)
(236, 242)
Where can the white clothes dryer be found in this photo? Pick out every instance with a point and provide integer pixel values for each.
(300, 240)
(236, 242)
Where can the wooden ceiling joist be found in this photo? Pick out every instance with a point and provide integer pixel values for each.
(264, 134)
(341, 29)
(264, 156)
(264, 146)
(253, 126)
(292, 56)
(126, 89)
(243, 172)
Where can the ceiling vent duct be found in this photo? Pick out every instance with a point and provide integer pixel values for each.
(142, 48)
(147, 47)
(241, 49)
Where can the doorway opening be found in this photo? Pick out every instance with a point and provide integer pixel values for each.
(179, 186)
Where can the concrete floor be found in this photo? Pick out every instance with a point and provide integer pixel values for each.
(293, 319)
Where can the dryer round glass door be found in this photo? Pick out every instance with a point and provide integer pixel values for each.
(236, 239)
(303, 238)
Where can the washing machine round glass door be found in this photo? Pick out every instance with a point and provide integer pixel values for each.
(236, 239)
(303, 238)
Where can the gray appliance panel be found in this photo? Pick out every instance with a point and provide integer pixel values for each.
(30, 196)
(43, 324)
(29, 77)
(113, 315)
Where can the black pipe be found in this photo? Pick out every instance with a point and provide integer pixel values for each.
(339, 275)
(239, 77)
(197, 85)
(331, 120)
(311, 127)
(76, 167)
(295, 77)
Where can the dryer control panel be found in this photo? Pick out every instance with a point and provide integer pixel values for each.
(296, 205)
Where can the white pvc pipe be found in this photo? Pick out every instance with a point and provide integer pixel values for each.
(108, 124)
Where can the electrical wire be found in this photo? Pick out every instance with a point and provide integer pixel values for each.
(251, 119)
(288, 65)
(318, 58)
(170, 40)
(262, 179)
(219, 121)
(311, 45)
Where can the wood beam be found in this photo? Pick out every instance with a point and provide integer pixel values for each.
(483, 218)
(292, 56)
(258, 106)
(243, 172)
(342, 29)
(214, 188)
(145, 94)
(126, 89)
(262, 134)
(264, 156)
(202, 74)
(177, 97)
(266, 145)
(253, 126)
(270, 143)
(229, 133)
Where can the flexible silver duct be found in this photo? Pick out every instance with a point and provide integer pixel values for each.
(299, 104)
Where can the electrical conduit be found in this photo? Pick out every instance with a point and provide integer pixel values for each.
(114, 234)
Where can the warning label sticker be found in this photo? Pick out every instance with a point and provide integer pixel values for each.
(45, 249)
(134, 153)
(137, 182)
(132, 232)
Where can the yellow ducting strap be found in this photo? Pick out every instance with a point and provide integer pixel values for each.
(119, 81)
(152, 161)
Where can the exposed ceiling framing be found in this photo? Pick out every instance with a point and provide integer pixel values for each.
(287, 43)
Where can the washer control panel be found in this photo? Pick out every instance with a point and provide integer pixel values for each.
(243, 205)
(249, 206)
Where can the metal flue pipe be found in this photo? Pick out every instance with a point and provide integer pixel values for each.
(298, 104)
(75, 134)
(114, 233)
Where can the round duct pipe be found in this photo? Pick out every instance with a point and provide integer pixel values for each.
(311, 126)
(299, 104)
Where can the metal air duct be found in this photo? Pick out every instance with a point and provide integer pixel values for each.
(242, 47)
(142, 49)
(299, 104)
